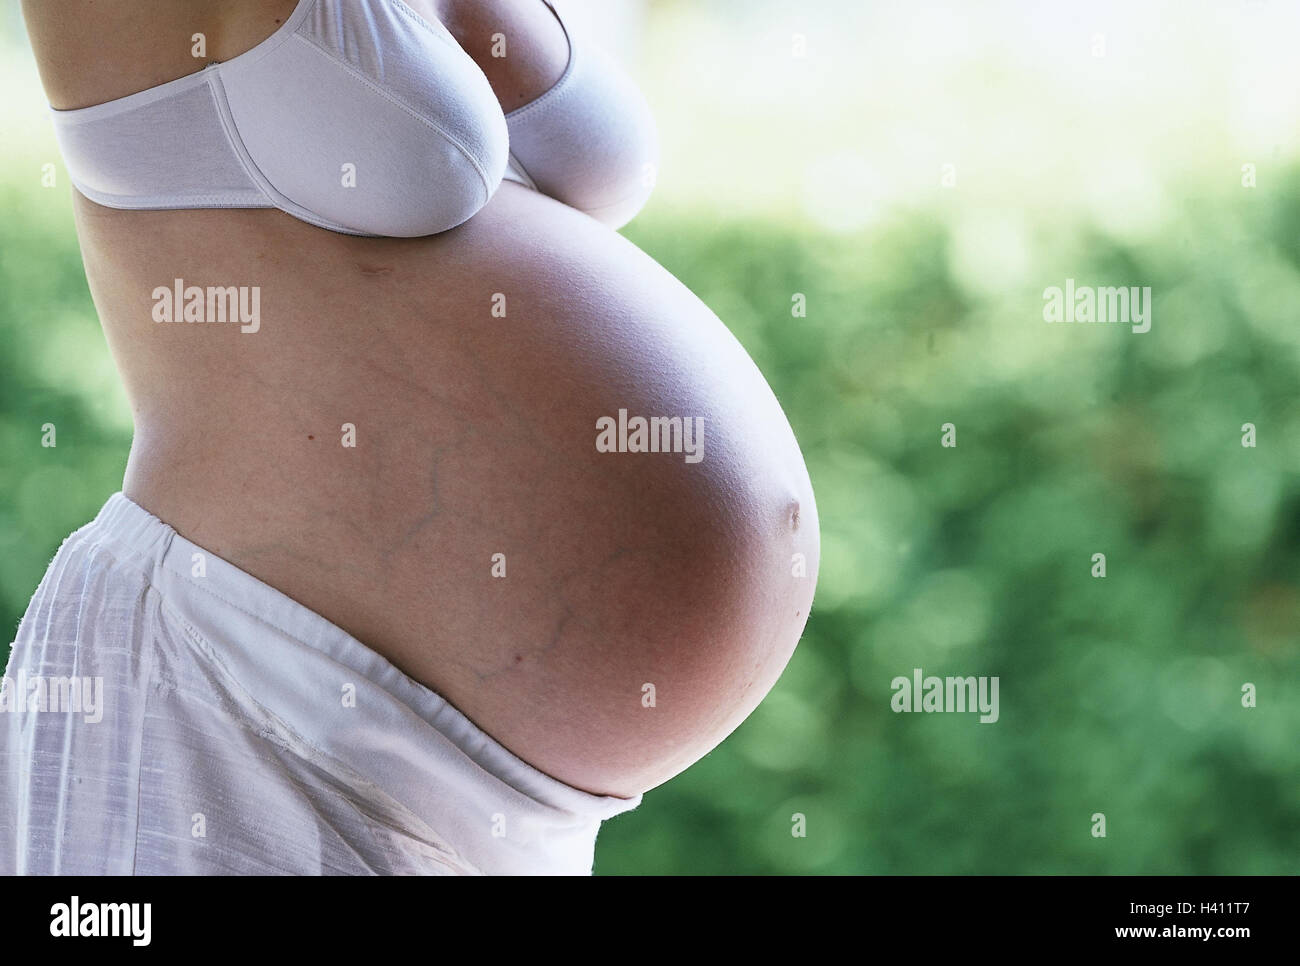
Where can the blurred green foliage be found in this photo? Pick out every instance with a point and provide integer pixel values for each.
(1118, 695)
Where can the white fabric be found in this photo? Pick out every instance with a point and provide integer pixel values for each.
(590, 141)
(237, 732)
(362, 117)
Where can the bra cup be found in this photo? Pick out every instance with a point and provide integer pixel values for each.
(377, 134)
(591, 141)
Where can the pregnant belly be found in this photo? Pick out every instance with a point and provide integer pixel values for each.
(519, 460)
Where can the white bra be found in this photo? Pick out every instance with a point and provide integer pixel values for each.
(360, 116)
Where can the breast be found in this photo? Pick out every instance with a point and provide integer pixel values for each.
(573, 506)
(368, 118)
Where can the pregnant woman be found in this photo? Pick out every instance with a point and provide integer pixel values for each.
(452, 521)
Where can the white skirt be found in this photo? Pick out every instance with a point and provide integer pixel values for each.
(165, 713)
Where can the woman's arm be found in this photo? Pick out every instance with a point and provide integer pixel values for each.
(89, 52)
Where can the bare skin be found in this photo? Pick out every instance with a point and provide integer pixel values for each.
(475, 435)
